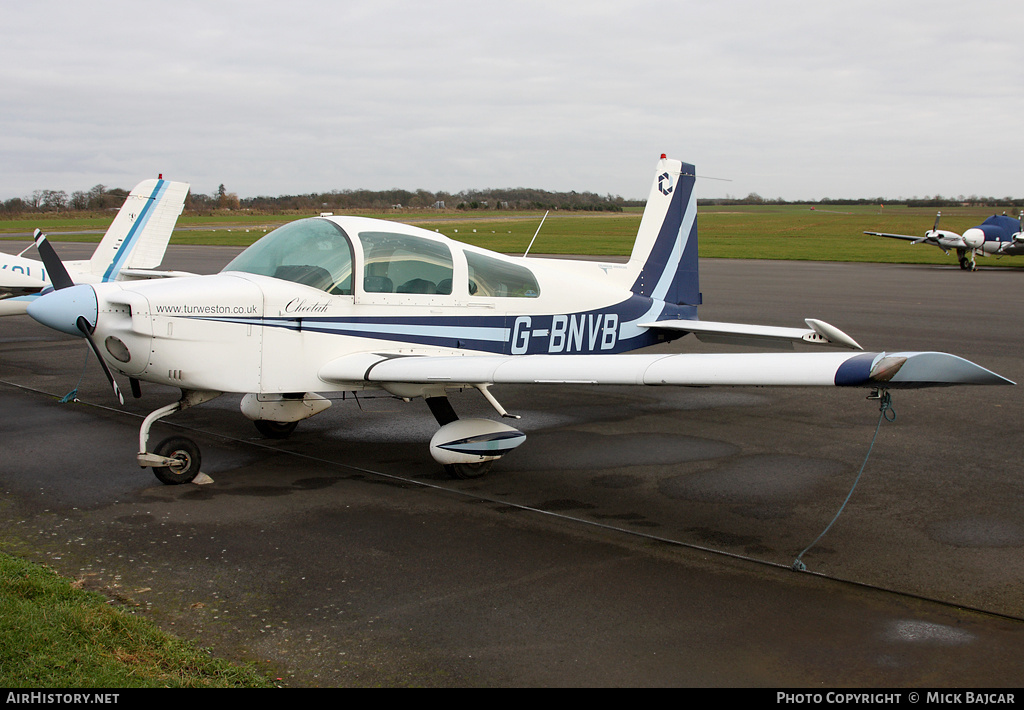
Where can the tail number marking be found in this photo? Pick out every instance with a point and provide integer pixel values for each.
(576, 333)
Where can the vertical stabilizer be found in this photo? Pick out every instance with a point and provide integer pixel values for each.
(138, 236)
(663, 264)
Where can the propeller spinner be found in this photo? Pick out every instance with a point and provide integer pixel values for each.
(69, 308)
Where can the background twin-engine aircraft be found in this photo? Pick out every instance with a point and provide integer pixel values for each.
(998, 235)
(348, 304)
(132, 247)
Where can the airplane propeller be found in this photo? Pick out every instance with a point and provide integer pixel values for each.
(59, 276)
(87, 330)
(57, 309)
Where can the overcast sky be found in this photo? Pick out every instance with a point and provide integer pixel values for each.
(799, 100)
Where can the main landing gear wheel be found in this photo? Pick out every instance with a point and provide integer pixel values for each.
(468, 471)
(186, 454)
(275, 430)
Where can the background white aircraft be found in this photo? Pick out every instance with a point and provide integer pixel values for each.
(133, 245)
(351, 304)
(998, 235)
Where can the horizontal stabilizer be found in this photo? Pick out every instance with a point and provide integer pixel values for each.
(818, 333)
(141, 274)
(898, 370)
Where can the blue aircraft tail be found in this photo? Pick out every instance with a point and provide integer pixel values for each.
(663, 264)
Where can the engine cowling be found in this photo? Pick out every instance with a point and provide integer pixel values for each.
(974, 238)
(945, 239)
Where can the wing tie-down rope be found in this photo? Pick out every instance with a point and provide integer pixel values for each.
(885, 413)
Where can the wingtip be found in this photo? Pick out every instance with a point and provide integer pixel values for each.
(928, 369)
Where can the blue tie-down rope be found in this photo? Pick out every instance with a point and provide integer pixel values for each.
(885, 413)
(73, 394)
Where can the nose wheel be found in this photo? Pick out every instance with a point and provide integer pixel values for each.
(183, 460)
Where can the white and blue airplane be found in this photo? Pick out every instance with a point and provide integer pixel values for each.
(998, 235)
(331, 304)
(132, 247)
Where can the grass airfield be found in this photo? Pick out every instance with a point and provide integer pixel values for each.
(795, 232)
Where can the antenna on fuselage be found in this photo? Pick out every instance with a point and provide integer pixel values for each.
(536, 233)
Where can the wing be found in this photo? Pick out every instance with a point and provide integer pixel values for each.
(897, 370)
(15, 291)
(909, 238)
(818, 332)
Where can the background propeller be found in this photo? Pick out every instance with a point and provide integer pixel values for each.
(59, 276)
(61, 279)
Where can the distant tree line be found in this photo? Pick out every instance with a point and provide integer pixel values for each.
(937, 201)
(96, 199)
(101, 198)
(490, 199)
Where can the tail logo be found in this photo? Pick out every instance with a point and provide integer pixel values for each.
(665, 183)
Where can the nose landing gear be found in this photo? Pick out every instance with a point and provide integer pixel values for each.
(176, 460)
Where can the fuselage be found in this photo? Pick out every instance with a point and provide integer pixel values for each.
(24, 279)
(996, 235)
(20, 280)
(296, 301)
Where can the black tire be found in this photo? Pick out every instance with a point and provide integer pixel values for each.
(468, 471)
(186, 453)
(275, 430)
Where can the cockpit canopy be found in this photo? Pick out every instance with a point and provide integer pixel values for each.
(317, 252)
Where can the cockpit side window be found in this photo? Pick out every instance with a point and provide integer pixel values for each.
(401, 263)
(492, 277)
(314, 252)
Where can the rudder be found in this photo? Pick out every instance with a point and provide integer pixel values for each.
(664, 258)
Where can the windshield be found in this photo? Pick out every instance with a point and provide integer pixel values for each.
(314, 252)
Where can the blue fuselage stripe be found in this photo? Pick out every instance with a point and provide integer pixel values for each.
(597, 331)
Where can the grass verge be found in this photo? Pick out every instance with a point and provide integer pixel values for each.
(53, 635)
